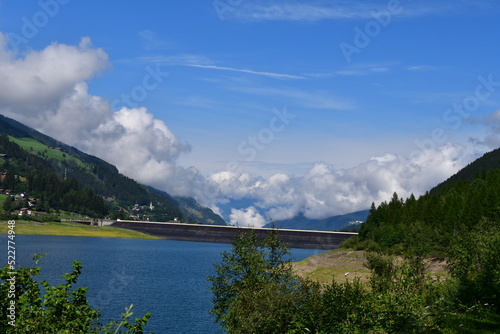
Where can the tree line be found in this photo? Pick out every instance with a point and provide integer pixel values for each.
(434, 220)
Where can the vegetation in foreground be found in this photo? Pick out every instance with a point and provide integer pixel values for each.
(73, 229)
(256, 290)
(29, 307)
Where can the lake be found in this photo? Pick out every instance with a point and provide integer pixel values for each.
(164, 277)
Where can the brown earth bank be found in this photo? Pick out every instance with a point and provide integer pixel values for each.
(347, 264)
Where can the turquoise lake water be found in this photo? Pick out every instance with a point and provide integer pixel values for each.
(163, 277)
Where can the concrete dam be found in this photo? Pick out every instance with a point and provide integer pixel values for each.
(225, 234)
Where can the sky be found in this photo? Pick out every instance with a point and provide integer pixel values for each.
(261, 109)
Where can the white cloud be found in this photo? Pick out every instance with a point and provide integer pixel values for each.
(248, 217)
(421, 68)
(184, 59)
(304, 12)
(141, 146)
(47, 90)
(314, 100)
(350, 73)
(325, 191)
(266, 74)
(491, 138)
(315, 11)
(41, 78)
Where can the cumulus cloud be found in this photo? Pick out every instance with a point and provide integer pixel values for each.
(41, 79)
(143, 147)
(48, 91)
(325, 191)
(248, 217)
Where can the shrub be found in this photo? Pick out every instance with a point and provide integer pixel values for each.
(475, 264)
(255, 291)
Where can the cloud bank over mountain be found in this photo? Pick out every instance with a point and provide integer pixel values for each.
(325, 191)
(48, 90)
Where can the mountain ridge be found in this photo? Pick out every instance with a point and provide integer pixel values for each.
(465, 202)
(489, 160)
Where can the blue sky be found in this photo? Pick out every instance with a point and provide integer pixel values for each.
(360, 81)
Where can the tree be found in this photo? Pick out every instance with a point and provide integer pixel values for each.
(255, 290)
(8, 203)
(9, 181)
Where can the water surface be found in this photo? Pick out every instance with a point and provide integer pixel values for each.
(166, 278)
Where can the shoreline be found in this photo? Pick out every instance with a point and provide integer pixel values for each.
(73, 229)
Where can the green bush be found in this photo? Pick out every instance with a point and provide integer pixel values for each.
(475, 264)
(255, 291)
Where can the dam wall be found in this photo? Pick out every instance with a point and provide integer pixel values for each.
(225, 234)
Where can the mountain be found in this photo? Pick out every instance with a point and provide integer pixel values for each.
(191, 208)
(33, 157)
(334, 223)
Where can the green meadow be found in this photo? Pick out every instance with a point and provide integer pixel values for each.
(35, 147)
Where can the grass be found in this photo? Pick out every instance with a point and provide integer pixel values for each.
(73, 229)
(473, 323)
(35, 147)
(335, 264)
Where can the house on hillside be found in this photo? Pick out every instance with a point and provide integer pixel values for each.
(25, 211)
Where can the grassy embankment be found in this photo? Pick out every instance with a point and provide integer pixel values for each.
(73, 229)
(334, 264)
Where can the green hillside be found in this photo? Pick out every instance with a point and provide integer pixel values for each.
(35, 147)
(461, 204)
(30, 183)
(487, 162)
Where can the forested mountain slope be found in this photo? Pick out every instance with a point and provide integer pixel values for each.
(488, 161)
(467, 201)
(34, 156)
